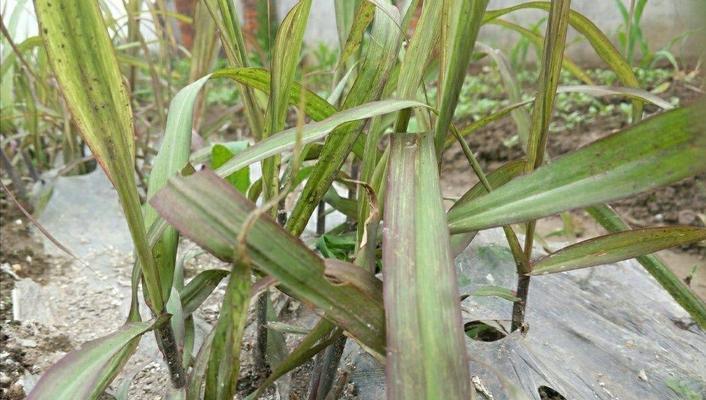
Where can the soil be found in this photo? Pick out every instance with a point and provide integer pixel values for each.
(21, 256)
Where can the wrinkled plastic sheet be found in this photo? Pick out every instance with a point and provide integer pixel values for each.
(609, 332)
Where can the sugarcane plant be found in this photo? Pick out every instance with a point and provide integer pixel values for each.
(382, 136)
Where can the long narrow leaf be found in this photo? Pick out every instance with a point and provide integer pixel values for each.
(364, 14)
(311, 132)
(224, 362)
(497, 178)
(617, 247)
(694, 305)
(211, 212)
(86, 372)
(285, 58)
(84, 62)
(657, 151)
(381, 55)
(464, 30)
(552, 56)
(426, 353)
(171, 158)
(199, 288)
(600, 42)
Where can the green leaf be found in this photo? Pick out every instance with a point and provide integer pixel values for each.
(199, 288)
(11, 58)
(513, 89)
(85, 66)
(316, 107)
(285, 140)
(426, 355)
(335, 246)
(364, 14)
(86, 372)
(198, 371)
(616, 247)
(497, 178)
(172, 157)
(496, 291)
(465, 24)
(380, 57)
(591, 90)
(224, 361)
(347, 207)
(657, 151)
(631, 93)
(221, 153)
(228, 23)
(484, 121)
(211, 212)
(549, 74)
(600, 42)
(285, 58)
(345, 13)
(311, 132)
(694, 305)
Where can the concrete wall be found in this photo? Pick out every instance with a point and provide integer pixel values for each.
(663, 21)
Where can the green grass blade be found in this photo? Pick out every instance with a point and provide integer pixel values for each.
(227, 21)
(311, 132)
(199, 288)
(426, 354)
(84, 62)
(345, 13)
(484, 121)
(171, 158)
(463, 30)
(610, 220)
(419, 50)
(381, 55)
(86, 372)
(221, 153)
(211, 212)
(496, 291)
(224, 362)
(364, 14)
(616, 247)
(408, 80)
(285, 58)
(204, 52)
(552, 56)
(660, 150)
(285, 140)
(316, 107)
(597, 91)
(628, 92)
